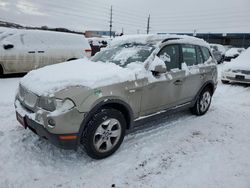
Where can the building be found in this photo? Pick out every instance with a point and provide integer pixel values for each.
(89, 34)
(233, 39)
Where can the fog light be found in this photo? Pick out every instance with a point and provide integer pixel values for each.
(51, 123)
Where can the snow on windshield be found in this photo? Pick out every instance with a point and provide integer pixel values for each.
(125, 54)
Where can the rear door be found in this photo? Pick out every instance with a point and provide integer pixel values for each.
(195, 72)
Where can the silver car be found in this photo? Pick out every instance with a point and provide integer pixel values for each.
(93, 103)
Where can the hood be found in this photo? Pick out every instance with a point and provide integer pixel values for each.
(242, 62)
(82, 72)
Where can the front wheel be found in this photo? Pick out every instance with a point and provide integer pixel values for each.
(104, 133)
(203, 102)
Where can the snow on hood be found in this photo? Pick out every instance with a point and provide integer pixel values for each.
(233, 51)
(82, 72)
(241, 62)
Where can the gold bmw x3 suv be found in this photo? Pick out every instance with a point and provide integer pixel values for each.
(94, 102)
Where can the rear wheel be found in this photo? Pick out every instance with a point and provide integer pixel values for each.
(104, 133)
(203, 102)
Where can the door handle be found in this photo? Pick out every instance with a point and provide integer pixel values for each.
(178, 82)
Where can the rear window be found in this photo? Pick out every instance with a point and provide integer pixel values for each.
(189, 54)
(206, 53)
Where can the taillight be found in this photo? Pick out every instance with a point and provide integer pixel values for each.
(88, 52)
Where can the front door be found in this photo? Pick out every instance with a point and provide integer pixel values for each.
(164, 93)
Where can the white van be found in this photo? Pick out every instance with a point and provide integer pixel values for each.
(25, 50)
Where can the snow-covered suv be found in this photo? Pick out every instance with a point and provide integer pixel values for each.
(94, 102)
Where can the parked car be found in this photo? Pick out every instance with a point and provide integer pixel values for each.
(25, 50)
(93, 103)
(218, 51)
(97, 44)
(232, 53)
(238, 71)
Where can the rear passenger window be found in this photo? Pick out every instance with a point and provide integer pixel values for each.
(189, 54)
(206, 53)
(199, 55)
(171, 56)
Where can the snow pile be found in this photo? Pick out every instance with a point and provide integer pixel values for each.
(241, 62)
(175, 151)
(75, 73)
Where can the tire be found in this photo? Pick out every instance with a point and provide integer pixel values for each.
(104, 133)
(225, 81)
(203, 102)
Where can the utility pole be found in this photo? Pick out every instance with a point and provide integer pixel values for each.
(111, 22)
(148, 25)
(194, 33)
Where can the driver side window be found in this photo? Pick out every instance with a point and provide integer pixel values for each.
(170, 54)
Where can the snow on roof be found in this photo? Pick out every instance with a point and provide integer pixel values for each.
(157, 38)
(241, 62)
(35, 31)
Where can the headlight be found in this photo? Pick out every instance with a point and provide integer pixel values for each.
(64, 105)
(47, 103)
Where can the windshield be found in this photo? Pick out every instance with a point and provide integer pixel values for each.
(124, 54)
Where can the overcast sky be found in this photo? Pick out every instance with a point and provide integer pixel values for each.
(131, 15)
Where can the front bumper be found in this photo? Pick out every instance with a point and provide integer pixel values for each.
(235, 77)
(64, 135)
(52, 138)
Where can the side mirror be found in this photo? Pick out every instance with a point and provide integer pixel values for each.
(158, 66)
(160, 69)
(8, 46)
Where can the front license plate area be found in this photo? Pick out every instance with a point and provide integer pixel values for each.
(21, 120)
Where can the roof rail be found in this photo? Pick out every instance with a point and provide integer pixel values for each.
(168, 39)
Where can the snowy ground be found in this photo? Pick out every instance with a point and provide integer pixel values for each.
(177, 151)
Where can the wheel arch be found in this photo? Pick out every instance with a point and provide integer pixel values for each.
(117, 104)
(208, 84)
